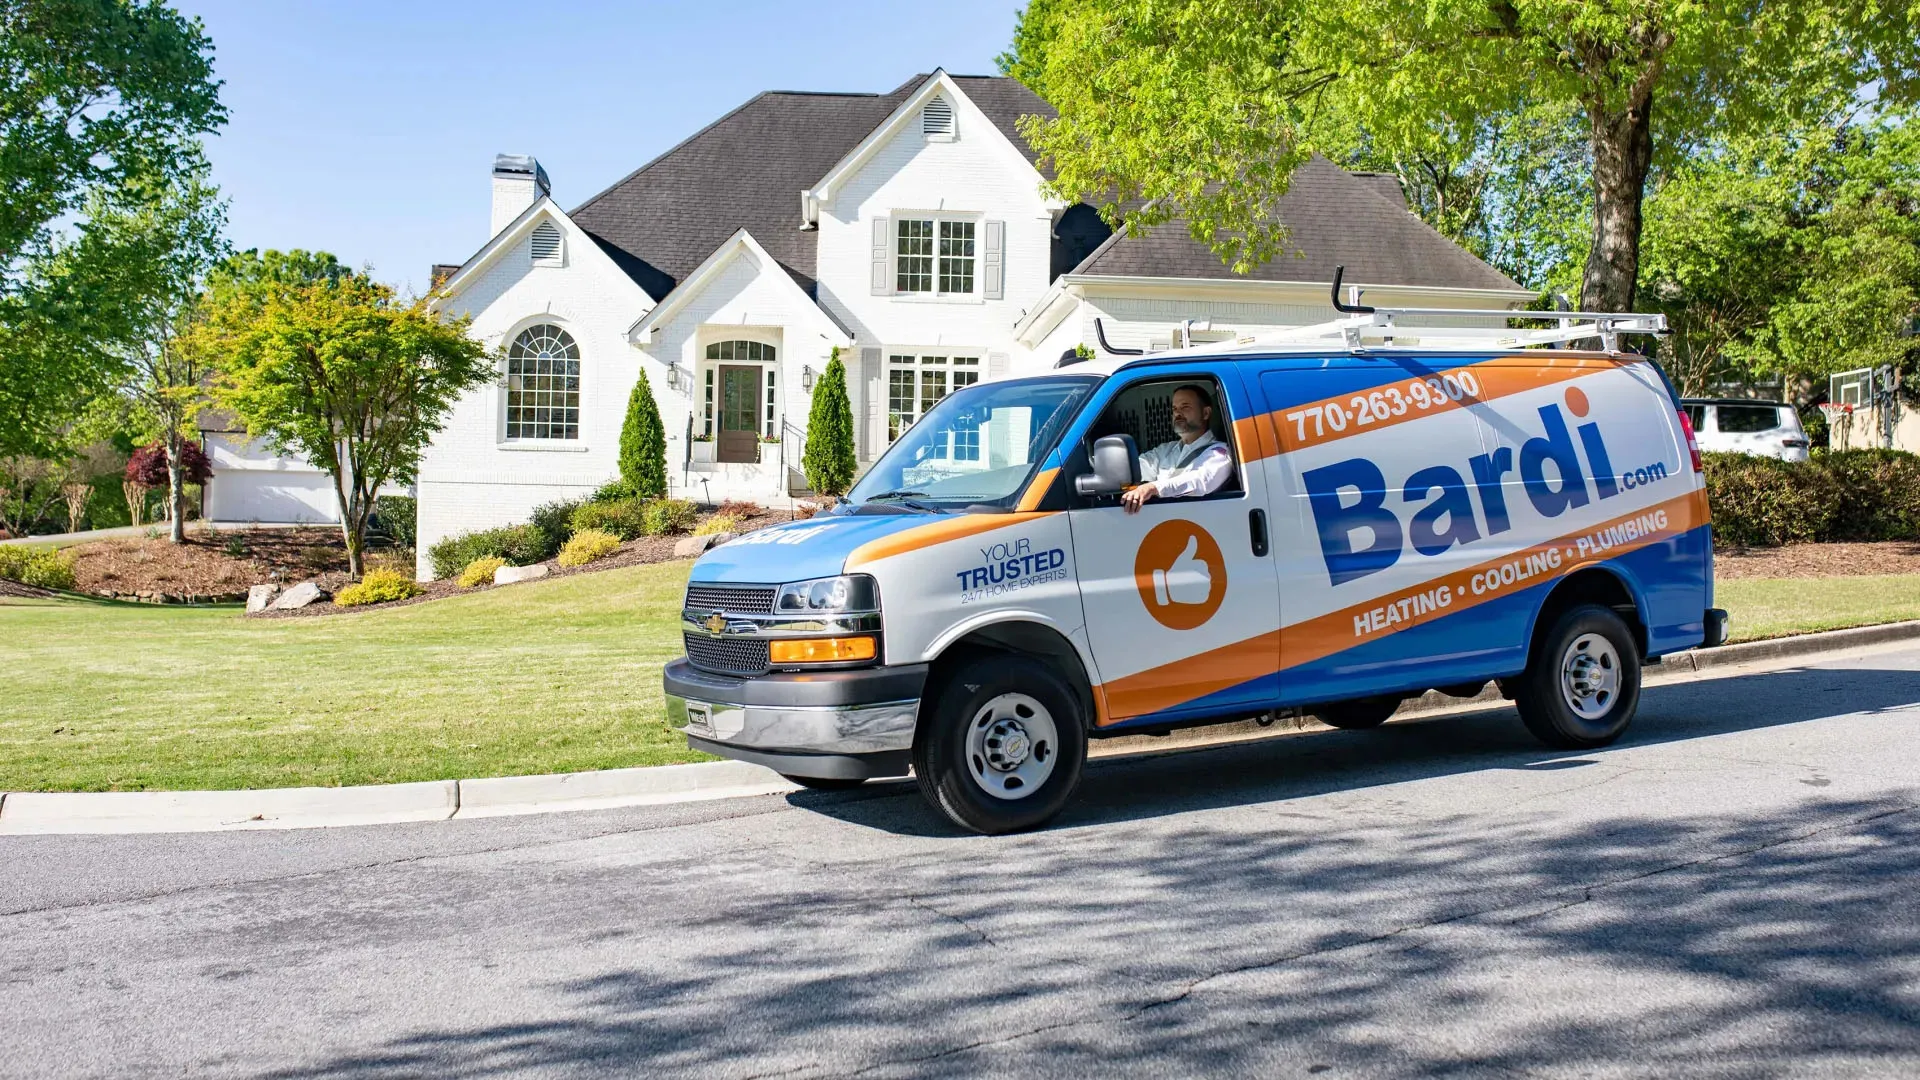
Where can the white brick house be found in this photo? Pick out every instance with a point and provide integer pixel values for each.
(906, 230)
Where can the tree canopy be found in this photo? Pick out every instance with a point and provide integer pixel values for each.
(101, 106)
(340, 370)
(1199, 110)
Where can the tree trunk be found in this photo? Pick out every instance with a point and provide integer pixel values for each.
(176, 490)
(353, 526)
(1622, 143)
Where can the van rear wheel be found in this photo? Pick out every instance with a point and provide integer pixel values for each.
(1583, 686)
(1002, 746)
(1358, 714)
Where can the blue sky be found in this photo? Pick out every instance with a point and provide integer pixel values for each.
(367, 129)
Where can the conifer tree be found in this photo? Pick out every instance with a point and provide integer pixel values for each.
(643, 443)
(829, 460)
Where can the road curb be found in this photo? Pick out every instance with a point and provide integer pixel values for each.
(23, 813)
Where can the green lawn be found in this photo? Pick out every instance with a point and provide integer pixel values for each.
(1766, 608)
(553, 676)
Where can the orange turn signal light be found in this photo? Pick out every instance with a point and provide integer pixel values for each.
(821, 650)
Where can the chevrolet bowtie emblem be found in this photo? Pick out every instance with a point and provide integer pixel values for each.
(716, 623)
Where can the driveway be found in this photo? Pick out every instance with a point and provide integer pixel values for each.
(1728, 892)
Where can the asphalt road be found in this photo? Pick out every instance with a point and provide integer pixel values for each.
(1731, 891)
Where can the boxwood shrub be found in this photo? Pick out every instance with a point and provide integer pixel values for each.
(520, 545)
(42, 567)
(624, 518)
(555, 522)
(665, 517)
(378, 587)
(1847, 495)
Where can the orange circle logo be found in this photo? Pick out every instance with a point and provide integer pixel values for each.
(1181, 575)
(1577, 401)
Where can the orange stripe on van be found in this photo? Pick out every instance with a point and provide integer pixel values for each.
(1194, 677)
(936, 532)
(1316, 423)
(1036, 491)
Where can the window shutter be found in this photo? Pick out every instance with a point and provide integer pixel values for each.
(882, 281)
(871, 390)
(997, 365)
(994, 271)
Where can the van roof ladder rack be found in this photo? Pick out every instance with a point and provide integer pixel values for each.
(1365, 327)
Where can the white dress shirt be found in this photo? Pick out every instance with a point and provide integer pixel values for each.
(1179, 469)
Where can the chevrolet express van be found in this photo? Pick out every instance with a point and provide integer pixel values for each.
(1405, 514)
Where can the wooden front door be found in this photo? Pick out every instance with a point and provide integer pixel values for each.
(739, 437)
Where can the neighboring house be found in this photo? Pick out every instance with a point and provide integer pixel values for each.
(907, 231)
(252, 483)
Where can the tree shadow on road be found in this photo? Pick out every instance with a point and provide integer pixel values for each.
(1336, 930)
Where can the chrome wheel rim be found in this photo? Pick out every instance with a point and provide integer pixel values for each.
(1012, 744)
(1590, 676)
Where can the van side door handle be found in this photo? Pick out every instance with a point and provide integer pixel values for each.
(1257, 529)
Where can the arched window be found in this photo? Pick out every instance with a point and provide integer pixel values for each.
(543, 384)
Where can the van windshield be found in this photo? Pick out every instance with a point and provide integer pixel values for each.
(976, 448)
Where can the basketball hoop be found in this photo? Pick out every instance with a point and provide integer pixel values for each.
(1836, 412)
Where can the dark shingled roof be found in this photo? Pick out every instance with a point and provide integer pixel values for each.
(747, 170)
(1335, 219)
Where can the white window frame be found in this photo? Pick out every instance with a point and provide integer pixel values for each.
(975, 293)
(952, 365)
(523, 442)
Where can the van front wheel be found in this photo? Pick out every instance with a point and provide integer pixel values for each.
(1583, 686)
(1002, 746)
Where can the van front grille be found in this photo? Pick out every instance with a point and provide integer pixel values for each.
(727, 656)
(745, 599)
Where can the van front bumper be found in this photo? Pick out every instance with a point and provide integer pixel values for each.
(854, 724)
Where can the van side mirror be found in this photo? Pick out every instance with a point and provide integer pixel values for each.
(1116, 467)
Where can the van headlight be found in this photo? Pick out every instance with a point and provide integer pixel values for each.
(829, 595)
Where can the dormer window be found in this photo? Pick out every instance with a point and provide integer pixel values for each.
(547, 244)
(936, 119)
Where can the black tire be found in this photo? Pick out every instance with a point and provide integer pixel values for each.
(1358, 714)
(1545, 693)
(959, 702)
(825, 783)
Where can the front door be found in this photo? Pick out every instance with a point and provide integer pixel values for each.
(739, 438)
(1181, 598)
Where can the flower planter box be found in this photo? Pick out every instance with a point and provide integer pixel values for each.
(703, 451)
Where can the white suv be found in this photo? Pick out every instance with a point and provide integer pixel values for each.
(1765, 428)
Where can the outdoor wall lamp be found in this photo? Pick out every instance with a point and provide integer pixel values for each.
(674, 376)
(806, 377)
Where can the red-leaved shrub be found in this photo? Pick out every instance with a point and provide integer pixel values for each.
(148, 465)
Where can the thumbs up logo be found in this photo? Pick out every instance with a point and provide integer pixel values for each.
(1181, 574)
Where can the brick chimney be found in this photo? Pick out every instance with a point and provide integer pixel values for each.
(518, 182)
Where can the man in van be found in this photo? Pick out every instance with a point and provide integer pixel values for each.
(1196, 463)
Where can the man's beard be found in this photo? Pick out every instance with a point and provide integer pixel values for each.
(1183, 428)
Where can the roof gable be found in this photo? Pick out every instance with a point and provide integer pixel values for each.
(579, 247)
(970, 117)
(741, 243)
(747, 169)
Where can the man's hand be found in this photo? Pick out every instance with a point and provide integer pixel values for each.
(1136, 497)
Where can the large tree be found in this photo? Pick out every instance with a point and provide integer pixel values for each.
(100, 101)
(340, 370)
(1200, 109)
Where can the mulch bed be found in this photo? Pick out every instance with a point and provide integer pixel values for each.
(211, 565)
(1819, 560)
(646, 549)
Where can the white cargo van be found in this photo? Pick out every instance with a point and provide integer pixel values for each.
(1409, 509)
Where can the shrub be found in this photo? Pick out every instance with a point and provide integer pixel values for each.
(740, 508)
(1850, 495)
(44, 568)
(148, 465)
(588, 545)
(378, 587)
(643, 443)
(554, 520)
(394, 516)
(624, 518)
(612, 491)
(480, 571)
(665, 517)
(518, 544)
(828, 460)
(717, 523)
